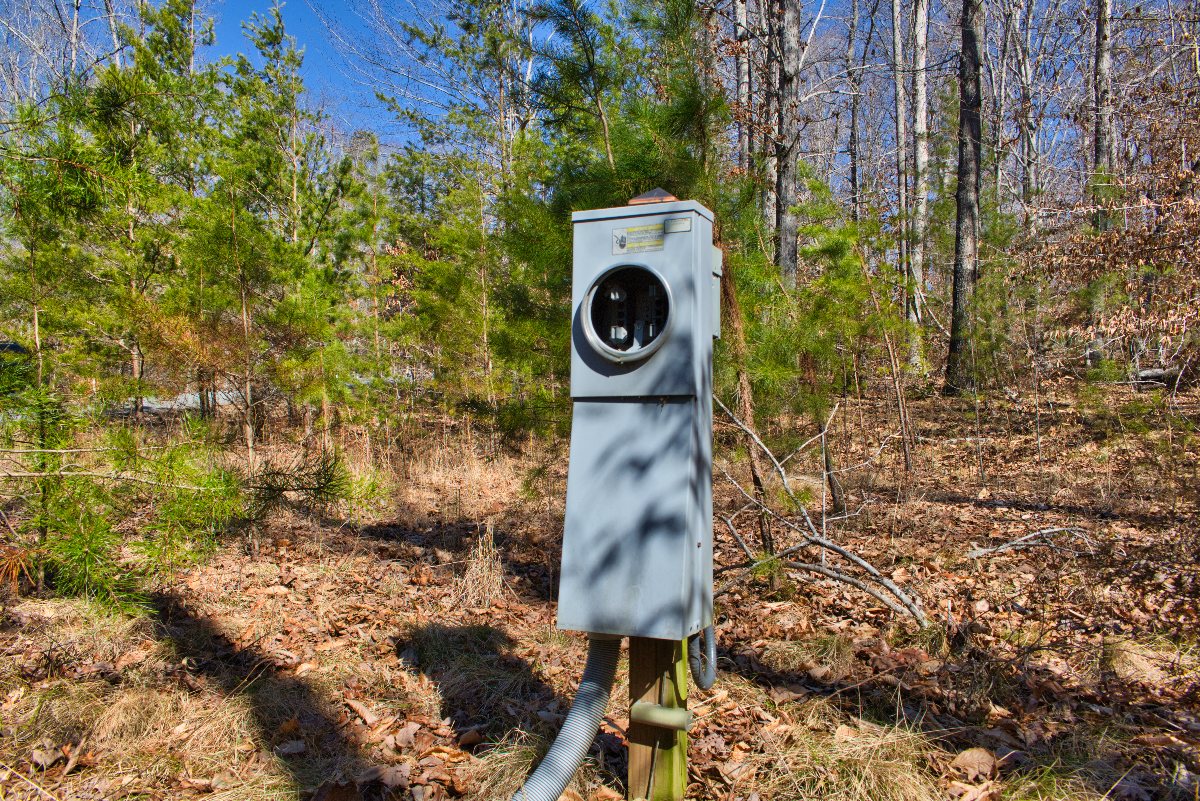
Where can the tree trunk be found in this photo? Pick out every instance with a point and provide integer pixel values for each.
(837, 498)
(306, 438)
(787, 182)
(901, 151)
(608, 151)
(137, 363)
(774, 36)
(1102, 149)
(248, 423)
(737, 341)
(74, 46)
(249, 396)
(966, 230)
(1000, 93)
(920, 177)
(43, 466)
(742, 32)
(202, 394)
(1030, 179)
(110, 14)
(1102, 155)
(854, 78)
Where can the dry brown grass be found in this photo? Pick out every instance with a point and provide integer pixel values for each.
(482, 582)
(822, 758)
(1155, 663)
(160, 735)
(1052, 785)
(815, 750)
(827, 657)
(458, 481)
(501, 771)
(142, 734)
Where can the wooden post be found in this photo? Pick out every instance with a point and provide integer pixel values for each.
(657, 756)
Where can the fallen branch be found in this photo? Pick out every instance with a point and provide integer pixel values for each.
(733, 530)
(870, 459)
(36, 451)
(787, 487)
(828, 572)
(812, 536)
(104, 476)
(9, 525)
(1041, 537)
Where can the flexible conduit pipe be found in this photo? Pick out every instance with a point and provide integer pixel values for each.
(579, 729)
(707, 676)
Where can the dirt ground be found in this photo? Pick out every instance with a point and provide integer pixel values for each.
(409, 650)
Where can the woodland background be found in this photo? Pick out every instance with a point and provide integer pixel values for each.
(249, 358)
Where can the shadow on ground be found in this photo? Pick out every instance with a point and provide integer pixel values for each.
(487, 694)
(530, 569)
(487, 689)
(1103, 748)
(286, 710)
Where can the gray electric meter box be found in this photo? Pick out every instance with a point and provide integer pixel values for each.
(637, 545)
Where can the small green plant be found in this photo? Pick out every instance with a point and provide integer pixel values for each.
(535, 481)
(314, 483)
(933, 639)
(1106, 371)
(77, 480)
(82, 559)
(189, 517)
(769, 568)
(1138, 416)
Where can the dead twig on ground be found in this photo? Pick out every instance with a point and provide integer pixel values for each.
(1041, 537)
(811, 536)
(733, 530)
(8, 525)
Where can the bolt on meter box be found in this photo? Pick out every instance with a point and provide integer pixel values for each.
(637, 545)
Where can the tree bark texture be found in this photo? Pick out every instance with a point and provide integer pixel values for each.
(774, 36)
(920, 211)
(1102, 155)
(901, 109)
(854, 78)
(787, 133)
(999, 83)
(1028, 132)
(966, 230)
(742, 33)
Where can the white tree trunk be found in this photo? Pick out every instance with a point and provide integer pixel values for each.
(920, 174)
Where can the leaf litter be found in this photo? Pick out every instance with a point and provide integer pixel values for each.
(414, 657)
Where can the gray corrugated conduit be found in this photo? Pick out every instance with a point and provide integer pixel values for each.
(579, 729)
(704, 677)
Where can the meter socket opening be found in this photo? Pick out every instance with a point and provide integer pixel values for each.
(627, 313)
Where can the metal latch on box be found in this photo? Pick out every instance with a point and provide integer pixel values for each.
(664, 717)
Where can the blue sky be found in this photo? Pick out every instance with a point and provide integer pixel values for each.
(325, 74)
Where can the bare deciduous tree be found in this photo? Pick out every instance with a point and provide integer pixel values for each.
(966, 231)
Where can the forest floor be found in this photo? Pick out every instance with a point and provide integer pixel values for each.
(410, 651)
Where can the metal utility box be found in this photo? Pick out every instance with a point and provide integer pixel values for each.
(637, 546)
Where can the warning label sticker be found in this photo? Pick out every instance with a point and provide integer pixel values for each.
(638, 239)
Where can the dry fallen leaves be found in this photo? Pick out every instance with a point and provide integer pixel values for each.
(988, 791)
(975, 764)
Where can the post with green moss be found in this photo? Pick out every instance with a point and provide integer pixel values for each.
(657, 754)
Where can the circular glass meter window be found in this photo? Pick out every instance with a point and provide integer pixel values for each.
(627, 310)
